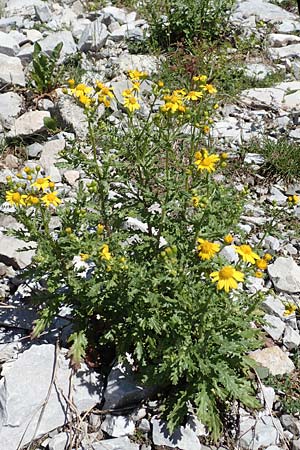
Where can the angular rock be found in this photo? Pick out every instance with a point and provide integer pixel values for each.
(22, 7)
(117, 14)
(43, 13)
(258, 71)
(291, 338)
(274, 306)
(10, 107)
(271, 242)
(262, 10)
(290, 51)
(93, 36)
(285, 275)
(282, 40)
(144, 63)
(277, 196)
(25, 402)
(292, 101)
(11, 71)
(184, 438)
(11, 254)
(72, 115)
(122, 443)
(118, 426)
(29, 123)
(268, 431)
(267, 397)
(229, 253)
(60, 441)
(8, 45)
(50, 152)
(263, 96)
(69, 47)
(291, 424)
(274, 359)
(274, 327)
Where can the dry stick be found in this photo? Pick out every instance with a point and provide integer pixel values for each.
(270, 411)
(44, 404)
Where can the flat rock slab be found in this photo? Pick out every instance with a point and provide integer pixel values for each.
(35, 387)
(11, 252)
(285, 275)
(184, 438)
(11, 71)
(10, 107)
(274, 359)
(116, 444)
(30, 123)
(263, 10)
(263, 96)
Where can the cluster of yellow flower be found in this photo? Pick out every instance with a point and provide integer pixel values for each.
(32, 190)
(294, 199)
(228, 276)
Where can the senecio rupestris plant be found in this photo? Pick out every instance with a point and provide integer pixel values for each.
(138, 255)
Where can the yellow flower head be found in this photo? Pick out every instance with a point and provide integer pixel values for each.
(294, 199)
(206, 129)
(82, 89)
(127, 93)
(290, 308)
(206, 249)
(131, 103)
(195, 201)
(100, 228)
(204, 161)
(259, 274)
(32, 200)
(246, 252)
(136, 85)
(194, 95)
(137, 75)
(210, 89)
(105, 253)
(228, 239)
(51, 199)
(84, 256)
(201, 78)
(107, 91)
(261, 264)
(267, 257)
(103, 99)
(160, 84)
(227, 278)
(41, 183)
(15, 198)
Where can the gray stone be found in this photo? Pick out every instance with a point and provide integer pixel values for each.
(267, 431)
(18, 317)
(295, 134)
(50, 152)
(184, 438)
(291, 101)
(255, 284)
(144, 426)
(273, 305)
(277, 196)
(11, 161)
(22, 7)
(93, 37)
(263, 96)
(11, 71)
(51, 41)
(59, 442)
(8, 45)
(274, 359)
(282, 40)
(43, 12)
(258, 71)
(34, 150)
(144, 63)
(291, 338)
(296, 444)
(24, 401)
(71, 176)
(29, 123)
(11, 252)
(290, 249)
(285, 275)
(229, 253)
(291, 424)
(271, 242)
(275, 326)
(72, 115)
(117, 14)
(118, 426)
(262, 10)
(267, 397)
(10, 107)
(290, 51)
(34, 35)
(254, 158)
(122, 390)
(122, 443)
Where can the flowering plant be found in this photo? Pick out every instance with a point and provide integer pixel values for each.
(138, 256)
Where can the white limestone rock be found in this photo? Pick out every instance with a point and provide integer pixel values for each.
(118, 426)
(8, 45)
(50, 42)
(285, 275)
(291, 338)
(274, 359)
(24, 389)
(29, 123)
(11, 252)
(93, 37)
(274, 326)
(184, 438)
(263, 96)
(122, 443)
(282, 40)
(10, 107)
(11, 71)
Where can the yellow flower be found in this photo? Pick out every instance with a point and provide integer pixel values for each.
(71, 83)
(206, 129)
(228, 239)
(51, 199)
(224, 155)
(41, 183)
(85, 100)
(136, 86)
(127, 93)
(68, 230)
(204, 161)
(131, 103)
(15, 198)
(137, 75)
(259, 274)
(103, 99)
(84, 256)
(160, 84)
(294, 199)
(290, 308)
(170, 107)
(246, 252)
(207, 250)
(105, 90)
(100, 228)
(227, 278)
(267, 257)
(261, 264)
(82, 89)
(195, 201)
(210, 89)
(27, 170)
(105, 253)
(201, 78)
(194, 95)
(32, 200)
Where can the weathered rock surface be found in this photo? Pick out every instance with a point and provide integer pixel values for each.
(285, 275)
(274, 359)
(29, 123)
(11, 71)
